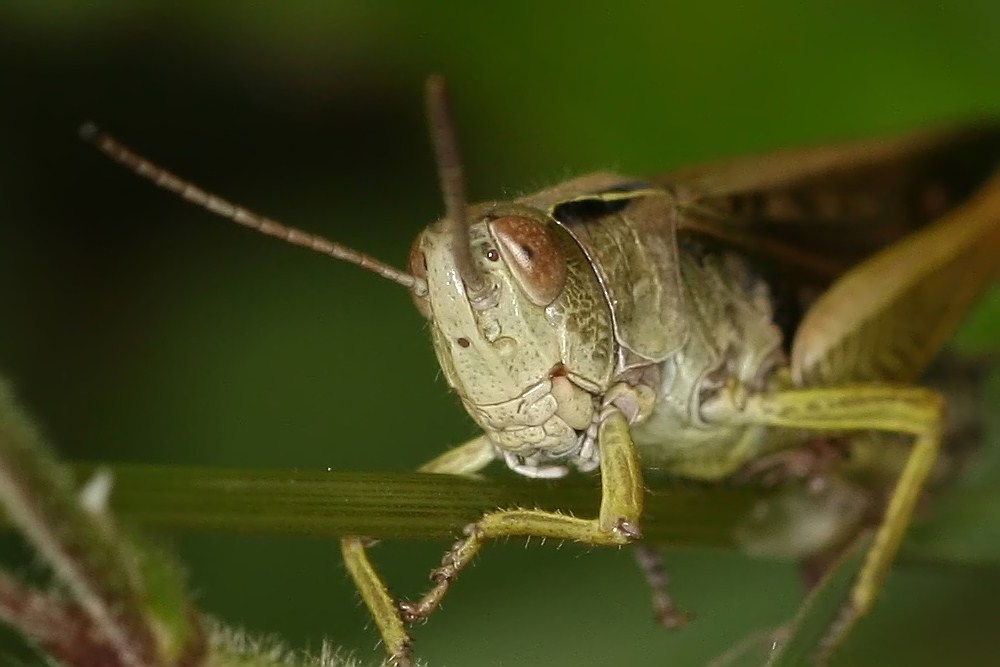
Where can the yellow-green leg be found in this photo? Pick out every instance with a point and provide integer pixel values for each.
(378, 600)
(912, 410)
(616, 524)
(464, 459)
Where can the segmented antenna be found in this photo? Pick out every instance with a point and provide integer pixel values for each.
(450, 172)
(169, 181)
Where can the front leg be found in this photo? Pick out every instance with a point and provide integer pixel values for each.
(464, 459)
(616, 524)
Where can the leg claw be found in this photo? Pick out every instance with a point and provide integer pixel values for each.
(628, 530)
(409, 612)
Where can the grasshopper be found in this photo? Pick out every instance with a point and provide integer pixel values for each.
(692, 323)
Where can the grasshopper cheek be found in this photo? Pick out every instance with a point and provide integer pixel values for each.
(535, 259)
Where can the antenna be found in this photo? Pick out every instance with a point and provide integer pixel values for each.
(450, 173)
(186, 190)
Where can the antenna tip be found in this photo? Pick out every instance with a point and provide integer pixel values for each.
(88, 132)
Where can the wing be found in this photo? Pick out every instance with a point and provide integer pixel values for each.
(816, 212)
(896, 237)
(886, 318)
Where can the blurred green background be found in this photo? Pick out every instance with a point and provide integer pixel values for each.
(136, 328)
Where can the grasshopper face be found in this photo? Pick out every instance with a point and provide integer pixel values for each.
(505, 349)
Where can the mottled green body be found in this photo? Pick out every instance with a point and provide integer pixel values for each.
(635, 325)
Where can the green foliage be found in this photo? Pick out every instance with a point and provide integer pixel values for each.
(130, 596)
(118, 601)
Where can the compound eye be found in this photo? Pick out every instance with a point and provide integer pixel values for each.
(417, 266)
(533, 255)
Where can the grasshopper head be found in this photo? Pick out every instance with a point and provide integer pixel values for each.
(523, 375)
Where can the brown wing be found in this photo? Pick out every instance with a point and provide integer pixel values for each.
(886, 318)
(901, 234)
(818, 211)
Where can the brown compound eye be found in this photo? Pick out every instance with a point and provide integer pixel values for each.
(417, 266)
(533, 255)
